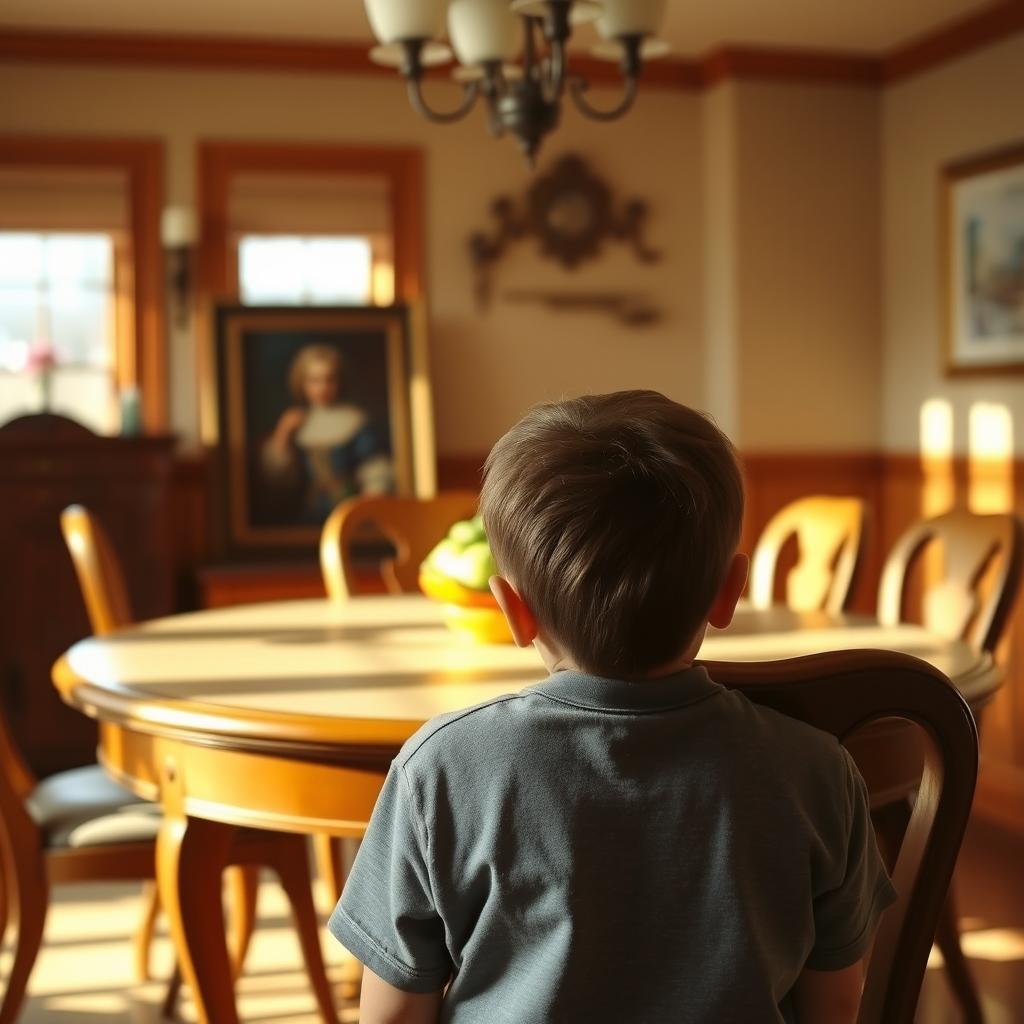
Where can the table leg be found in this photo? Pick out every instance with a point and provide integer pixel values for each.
(191, 856)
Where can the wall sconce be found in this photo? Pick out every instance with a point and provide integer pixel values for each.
(179, 233)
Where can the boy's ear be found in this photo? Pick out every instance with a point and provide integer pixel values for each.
(518, 615)
(724, 605)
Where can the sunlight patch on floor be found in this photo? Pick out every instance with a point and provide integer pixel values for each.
(85, 972)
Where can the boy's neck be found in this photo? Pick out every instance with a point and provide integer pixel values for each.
(556, 660)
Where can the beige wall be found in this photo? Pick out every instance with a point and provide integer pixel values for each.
(792, 264)
(962, 108)
(489, 367)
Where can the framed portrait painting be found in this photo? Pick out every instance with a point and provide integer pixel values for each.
(314, 405)
(983, 213)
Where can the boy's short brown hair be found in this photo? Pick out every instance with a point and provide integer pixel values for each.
(615, 517)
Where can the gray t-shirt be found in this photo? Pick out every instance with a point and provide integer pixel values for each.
(597, 850)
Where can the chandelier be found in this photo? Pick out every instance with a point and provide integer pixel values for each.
(524, 97)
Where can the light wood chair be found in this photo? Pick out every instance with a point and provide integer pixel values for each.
(974, 547)
(841, 693)
(72, 827)
(952, 606)
(829, 533)
(108, 605)
(411, 525)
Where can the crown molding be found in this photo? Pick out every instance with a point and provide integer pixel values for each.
(247, 53)
(955, 39)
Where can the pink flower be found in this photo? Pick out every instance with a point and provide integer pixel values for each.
(42, 358)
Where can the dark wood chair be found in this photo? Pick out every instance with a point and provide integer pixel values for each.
(974, 549)
(829, 533)
(843, 693)
(109, 608)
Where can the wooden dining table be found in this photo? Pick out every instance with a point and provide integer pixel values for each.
(286, 716)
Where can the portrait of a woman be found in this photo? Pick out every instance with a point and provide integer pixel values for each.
(322, 446)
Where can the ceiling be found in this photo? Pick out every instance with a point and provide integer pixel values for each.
(693, 27)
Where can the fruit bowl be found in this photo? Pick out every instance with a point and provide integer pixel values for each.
(456, 574)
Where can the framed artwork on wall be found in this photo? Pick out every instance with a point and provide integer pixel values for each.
(983, 257)
(314, 405)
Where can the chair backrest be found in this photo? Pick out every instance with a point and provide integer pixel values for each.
(99, 572)
(412, 525)
(952, 606)
(829, 533)
(841, 693)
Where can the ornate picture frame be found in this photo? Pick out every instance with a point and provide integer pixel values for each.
(314, 405)
(983, 263)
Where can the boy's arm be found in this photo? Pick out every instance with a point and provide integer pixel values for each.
(382, 1003)
(829, 997)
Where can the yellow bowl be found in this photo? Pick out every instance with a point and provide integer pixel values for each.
(445, 589)
(481, 625)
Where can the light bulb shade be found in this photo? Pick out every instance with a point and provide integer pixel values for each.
(482, 30)
(395, 20)
(581, 12)
(631, 18)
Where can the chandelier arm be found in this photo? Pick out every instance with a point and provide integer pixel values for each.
(578, 88)
(554, 87)
(470, 91)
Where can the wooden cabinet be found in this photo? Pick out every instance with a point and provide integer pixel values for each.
(46, 463)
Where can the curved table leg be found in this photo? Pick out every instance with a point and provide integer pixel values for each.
(143, 938)
(243, 890)
(290, 860)
(191, 854)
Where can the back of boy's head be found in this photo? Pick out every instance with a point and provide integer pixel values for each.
(616, 518)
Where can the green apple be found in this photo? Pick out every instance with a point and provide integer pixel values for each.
(478, 566)
(446, 559)
(464, 533)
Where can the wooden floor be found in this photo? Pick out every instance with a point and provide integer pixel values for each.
(84, 976)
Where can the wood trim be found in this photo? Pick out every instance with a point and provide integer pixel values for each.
(953, 40)
(789, 65)
(142, 160)
(237, 53)
(253, 53)
(247, 53)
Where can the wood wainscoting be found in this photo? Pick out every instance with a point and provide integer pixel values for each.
(898, 489)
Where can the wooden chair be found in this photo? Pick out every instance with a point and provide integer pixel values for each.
(109, 608)
(412, 525)
(70, 828)
(973, 547)
(829, 533)
(841, 693)
(952, 607)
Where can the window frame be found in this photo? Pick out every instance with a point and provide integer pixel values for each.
(142, 353)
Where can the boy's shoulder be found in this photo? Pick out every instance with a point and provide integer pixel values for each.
(440, 733)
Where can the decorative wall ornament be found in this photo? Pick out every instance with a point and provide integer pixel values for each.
(571, 212)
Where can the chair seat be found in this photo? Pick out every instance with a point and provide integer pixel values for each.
(85, 807)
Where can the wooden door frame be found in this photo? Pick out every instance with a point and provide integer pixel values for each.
(142, 162)
(221, 162)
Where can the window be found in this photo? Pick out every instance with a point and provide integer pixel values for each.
(58, 325)
(297, 270)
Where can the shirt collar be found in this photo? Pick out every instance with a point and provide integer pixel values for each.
(618, 695)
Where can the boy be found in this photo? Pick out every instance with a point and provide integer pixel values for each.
(626, 841)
